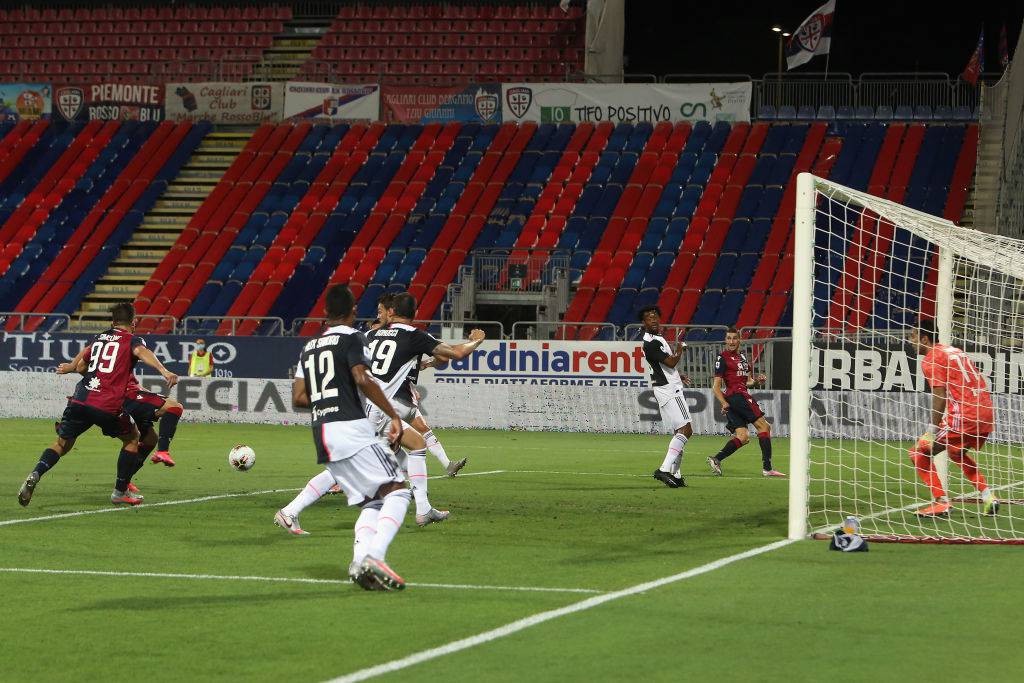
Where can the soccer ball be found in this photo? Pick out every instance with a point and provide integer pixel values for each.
(242, 458)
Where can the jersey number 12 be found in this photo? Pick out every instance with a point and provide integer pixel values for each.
(322, 389)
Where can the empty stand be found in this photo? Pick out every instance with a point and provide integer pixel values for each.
(86, 45)
(443, 44)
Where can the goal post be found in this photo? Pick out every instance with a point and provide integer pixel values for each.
(866, 270)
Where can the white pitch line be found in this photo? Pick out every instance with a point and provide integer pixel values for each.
(188, 501)
(541, 617)
(467, 474)
(284, 579)
(615, 474)
(100, 511)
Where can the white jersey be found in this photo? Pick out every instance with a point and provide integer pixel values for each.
(666, 381)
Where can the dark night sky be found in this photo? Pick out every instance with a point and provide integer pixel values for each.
(868, 35)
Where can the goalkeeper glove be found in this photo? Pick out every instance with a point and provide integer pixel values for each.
(927, 439)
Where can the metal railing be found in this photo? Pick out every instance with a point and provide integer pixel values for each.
(200, 324)
(933, 89)
(59, 320)
(524, 271)
(634, 331)
(544, 330)
(140, 318)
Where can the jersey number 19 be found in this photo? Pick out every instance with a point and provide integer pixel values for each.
(382, 353)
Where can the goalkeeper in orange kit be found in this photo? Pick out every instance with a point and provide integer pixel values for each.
(961, 417)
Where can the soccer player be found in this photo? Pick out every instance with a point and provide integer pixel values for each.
(733, 371)
(668, 390)
(420, 424)
(333, 378)
(145, 408)
(396, 350)
(97, 401)
(961, 417)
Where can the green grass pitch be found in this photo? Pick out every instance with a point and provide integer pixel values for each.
(567, 511)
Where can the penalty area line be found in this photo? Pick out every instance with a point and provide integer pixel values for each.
(541, 617)
(282, 579)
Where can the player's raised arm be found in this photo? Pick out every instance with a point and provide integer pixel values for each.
(372, 391)
(673, 360)
(147, 357)
(446, 352)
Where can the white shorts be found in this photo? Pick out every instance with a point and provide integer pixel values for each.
(380, 421)
(361, 475)
(675, 413)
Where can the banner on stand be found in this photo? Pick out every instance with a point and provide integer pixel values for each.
(474, 103)
(225, 103)
(626, 102)
(331, 101)
(25, 101)
(109, 102)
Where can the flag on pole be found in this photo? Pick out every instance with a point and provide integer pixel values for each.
(977, 62)
(1004, 49)
(813, 37)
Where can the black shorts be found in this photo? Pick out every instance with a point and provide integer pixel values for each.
(142, 406)
(742, 411)
(77, 418)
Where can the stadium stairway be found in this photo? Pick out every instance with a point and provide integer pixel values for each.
(290, 49)
(246, 211)
(161, 226)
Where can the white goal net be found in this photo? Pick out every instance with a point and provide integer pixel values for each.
(869, 273)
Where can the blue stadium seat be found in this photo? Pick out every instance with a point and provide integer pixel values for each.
(767, 112)
(904, 113)
(787, 112)
(864, 111)
(827, 112)
(923, 112)
(943, 113)
(883, 113)
(806, 112)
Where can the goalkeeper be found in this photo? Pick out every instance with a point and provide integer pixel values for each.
(961, 417)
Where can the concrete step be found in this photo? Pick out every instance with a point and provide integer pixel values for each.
(146, 239)
(113, 288)
(164, 219)
(198, 175)
(208, 162)
(101, 302)
(132, 255)
(177, 204)
(130, 271)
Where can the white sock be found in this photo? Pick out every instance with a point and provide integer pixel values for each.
(389, 521)
(435, 447)
(986, 495)
(366, 529)
(417, 462)
(310, 493)
(674, 456)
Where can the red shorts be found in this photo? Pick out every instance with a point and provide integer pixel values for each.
(960, 440)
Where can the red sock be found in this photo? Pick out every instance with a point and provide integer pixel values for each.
(969, 467)
(926, 470)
